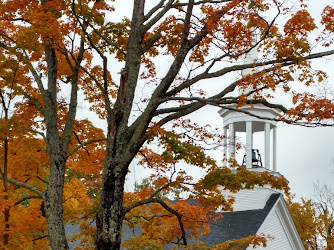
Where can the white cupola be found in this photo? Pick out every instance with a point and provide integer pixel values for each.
(250, 119)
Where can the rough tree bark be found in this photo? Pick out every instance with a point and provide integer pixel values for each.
(4, 173)
(53, 205)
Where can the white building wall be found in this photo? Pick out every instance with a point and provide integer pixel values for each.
(250, 199)
(273, 226)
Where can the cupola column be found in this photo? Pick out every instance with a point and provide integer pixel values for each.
(231, 141)
(267, 145)
(249, 144)
(225, 143)
(274, 149)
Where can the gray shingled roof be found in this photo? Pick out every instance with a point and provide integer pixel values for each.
(239, 224)
(232, 226)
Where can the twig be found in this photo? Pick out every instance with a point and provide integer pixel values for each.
(27, 198)
(84, 144)
(25, 185)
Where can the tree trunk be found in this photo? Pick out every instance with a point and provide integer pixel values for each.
(5, 176)
(110, 215)
(119, 153)
(54, 194)
(5, 185)
(54, 206)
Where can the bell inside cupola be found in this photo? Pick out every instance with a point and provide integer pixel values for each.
(245, 120)
(256, 159)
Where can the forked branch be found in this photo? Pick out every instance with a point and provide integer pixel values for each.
(25, 185)
(82, 145)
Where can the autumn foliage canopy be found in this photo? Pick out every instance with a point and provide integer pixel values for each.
(68, 66)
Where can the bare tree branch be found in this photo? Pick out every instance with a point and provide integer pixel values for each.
(104, 87)
(151, 42)
(25, 185)
(37, 77)
(82, 145)
(153, 199)
(34, 101)
(37, 132)
(41, 237)
(107, 40)
(179, 218)
(201, 2)
(78, 139)
(155, 9)
(157, 17)
(27, 198)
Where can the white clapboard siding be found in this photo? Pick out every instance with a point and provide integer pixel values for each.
(280, 226)
(250, 199)
(273, 226)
